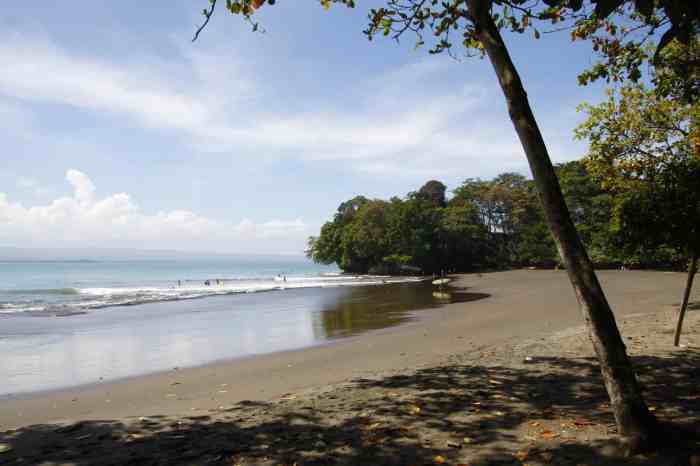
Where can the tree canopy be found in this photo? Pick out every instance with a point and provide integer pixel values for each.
(492, 224)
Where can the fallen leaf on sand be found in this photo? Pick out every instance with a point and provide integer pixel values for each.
(548, 435)
(440, 459)
(414, 409)
(4, 447)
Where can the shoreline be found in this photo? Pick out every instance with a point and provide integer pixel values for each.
(524, 304)
(344, 312)
(417, 317)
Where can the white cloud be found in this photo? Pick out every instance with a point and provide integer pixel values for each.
(38, 70)
(117, 220)
(401, 120)
(83, 186)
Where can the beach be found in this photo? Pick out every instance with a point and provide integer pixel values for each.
(533, 309)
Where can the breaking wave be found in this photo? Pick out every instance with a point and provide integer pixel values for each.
(70, 301)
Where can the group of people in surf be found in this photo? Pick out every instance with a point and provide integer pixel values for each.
(219, 282)
(216, 281)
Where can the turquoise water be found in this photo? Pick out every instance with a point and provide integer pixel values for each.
(64, 288)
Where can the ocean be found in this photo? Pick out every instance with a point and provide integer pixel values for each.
(71, 287)
(70, 323)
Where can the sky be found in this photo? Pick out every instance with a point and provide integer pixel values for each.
(118, 131)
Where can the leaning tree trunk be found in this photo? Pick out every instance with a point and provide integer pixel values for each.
(635, 423)
(686, 296)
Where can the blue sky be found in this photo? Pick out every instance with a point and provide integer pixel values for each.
(119, 132)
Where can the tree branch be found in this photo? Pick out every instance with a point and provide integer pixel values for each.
(207, 16)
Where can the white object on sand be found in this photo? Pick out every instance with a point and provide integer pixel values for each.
(442, 281)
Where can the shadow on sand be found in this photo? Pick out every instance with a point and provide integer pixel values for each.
(455, 414)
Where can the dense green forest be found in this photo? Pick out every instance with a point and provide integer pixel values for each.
(483, 224)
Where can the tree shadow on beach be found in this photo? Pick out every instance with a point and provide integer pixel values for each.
(544, 411)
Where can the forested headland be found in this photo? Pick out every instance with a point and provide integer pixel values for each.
(486, 224)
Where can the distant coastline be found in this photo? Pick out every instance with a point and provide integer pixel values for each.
(48, 261)
(13, 254)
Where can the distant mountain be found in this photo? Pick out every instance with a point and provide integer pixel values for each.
(12, 254)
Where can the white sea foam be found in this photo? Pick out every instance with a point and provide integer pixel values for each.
(108, 296)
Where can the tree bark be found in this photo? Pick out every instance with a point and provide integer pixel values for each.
(635, 423)
(692, 270)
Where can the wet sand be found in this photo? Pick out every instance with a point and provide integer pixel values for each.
(520, 305)
(43, 352)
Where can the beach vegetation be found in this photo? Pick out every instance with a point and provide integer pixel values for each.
(499, 224)
(645, 150)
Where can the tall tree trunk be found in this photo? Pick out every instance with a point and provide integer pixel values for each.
(686, 296)
(635, 423)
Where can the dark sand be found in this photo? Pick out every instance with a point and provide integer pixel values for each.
(454, 388)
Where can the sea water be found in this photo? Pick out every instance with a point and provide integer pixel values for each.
(65, 324)
(71, 287)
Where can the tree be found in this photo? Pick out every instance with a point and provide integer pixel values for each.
(479, 23)
(590, 207)
(468, 245)
(509, 208)
(434, 192)
(417, 224)
(331, 245)
(645, 149)
(364, 239)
